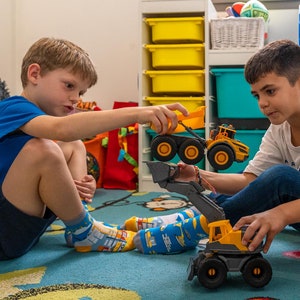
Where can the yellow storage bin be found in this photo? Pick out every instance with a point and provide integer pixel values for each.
(190, 103)
(177, 82)
(174, 30)
(177, 56)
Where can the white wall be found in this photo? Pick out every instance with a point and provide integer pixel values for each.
(107, 29)
(283, 24)
(7, 34)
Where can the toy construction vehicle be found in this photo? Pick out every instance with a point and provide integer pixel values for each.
(224, 251)
(222, 148)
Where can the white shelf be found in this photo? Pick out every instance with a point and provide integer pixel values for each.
(157, 8)
(229, 57)
(178, 6)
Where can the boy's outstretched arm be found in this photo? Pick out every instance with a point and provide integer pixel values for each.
(268, 223)
(81, 125)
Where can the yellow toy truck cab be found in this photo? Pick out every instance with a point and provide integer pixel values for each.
(223, 149)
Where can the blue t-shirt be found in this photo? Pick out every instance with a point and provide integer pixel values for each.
(14, 113)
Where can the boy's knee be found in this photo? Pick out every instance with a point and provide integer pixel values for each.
(44, 150)
(71, 148)
(280, 173)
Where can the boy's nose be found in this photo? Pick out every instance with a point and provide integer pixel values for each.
(74, 99)
(262, 102)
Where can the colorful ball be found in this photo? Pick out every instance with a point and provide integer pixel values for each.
(255, 9)
(237, 7)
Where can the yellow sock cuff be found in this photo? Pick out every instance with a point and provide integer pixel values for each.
(204, 223)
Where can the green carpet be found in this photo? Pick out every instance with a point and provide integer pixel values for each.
(53, 271)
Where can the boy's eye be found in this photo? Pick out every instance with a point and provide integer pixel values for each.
(69, 85)
(270, 92)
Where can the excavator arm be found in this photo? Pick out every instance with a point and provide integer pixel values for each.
(165, 175)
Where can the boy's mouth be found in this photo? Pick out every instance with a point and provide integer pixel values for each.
(69, 108)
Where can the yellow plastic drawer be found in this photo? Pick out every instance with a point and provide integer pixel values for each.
(173, 30)
(177, 56)
(190, 103)
(177, 82)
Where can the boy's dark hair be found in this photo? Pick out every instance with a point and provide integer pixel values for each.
(51, 54)
(281, 57)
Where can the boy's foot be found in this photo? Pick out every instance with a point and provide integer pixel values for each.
(172, 238)
(103, 238)
(69, 237)
(136, 223)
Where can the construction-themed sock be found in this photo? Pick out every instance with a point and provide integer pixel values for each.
(89, 235)
(172, 238)
(136, 223)
(68, 233)
(89, 208)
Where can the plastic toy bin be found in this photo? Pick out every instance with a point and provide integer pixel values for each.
(177, 30)
(96, 155)
(176, 159)
(177, 56)
(177, 82)
(252, 138)
(234, 98)
(190, 103)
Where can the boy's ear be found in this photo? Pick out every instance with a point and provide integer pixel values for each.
(33, 73)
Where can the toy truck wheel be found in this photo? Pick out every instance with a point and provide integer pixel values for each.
(220, 157)
(163, 148)
(191, 151)
(212, 273)
(257, 272)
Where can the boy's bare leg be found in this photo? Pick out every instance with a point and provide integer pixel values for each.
(75, 156)
(40, 177)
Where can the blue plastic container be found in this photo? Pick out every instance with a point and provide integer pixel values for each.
(252, 138)
(234, 99)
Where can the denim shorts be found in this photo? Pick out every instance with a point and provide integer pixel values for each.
(19, 232)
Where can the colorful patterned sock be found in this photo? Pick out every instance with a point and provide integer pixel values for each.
(172, 238)
(68, 233)
(136, 223)
(89, 235)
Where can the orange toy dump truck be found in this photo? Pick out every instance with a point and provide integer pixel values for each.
(222, 149)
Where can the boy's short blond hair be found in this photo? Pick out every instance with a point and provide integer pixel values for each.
(52, 54)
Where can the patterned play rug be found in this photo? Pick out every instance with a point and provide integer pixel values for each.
(51, 270)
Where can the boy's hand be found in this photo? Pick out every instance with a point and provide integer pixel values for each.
(262, 225)
(86, 187)
(162, 117)
(186, 172)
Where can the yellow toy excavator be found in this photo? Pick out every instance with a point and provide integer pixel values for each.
(224, 251)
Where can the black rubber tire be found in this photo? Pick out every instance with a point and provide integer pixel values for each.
(220, 157)
(191, 151)
(257, 272)
(212, 273)
(163, 148)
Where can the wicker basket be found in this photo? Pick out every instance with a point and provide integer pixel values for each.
(236, 33)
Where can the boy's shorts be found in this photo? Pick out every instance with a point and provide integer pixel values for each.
(19, 232)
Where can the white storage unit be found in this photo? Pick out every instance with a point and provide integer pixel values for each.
(178, 9)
